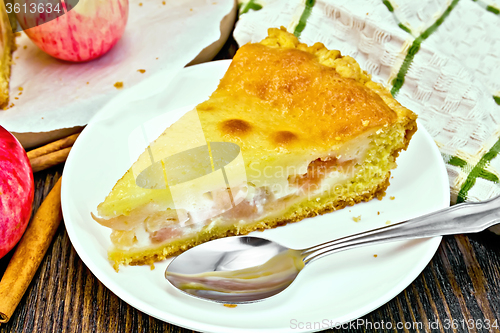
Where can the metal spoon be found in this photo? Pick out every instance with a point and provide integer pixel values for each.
(246, 269)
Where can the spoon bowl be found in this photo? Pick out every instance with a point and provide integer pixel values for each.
(241, 269)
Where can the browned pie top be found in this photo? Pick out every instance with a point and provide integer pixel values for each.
(278, 96)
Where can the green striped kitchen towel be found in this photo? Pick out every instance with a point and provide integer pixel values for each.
(440, 58)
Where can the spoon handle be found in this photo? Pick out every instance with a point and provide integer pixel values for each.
(458, 219)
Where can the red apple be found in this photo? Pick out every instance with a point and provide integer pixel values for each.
(16, 191)
(85, 32)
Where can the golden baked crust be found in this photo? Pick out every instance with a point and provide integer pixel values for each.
(287, 88)
(278, 98)
(285, 98)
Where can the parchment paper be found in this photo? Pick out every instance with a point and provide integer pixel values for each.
(158, 37)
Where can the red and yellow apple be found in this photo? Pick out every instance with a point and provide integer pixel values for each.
(16, 191)
(83, 33)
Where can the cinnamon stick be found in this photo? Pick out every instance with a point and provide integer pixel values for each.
(30, 252)
(49, 160)
(53, 146)
(51, 154)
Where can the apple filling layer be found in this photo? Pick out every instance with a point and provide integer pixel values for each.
(333, 178)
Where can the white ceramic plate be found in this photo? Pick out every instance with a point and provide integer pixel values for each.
(333, 290)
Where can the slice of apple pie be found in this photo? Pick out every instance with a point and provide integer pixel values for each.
(292, 131)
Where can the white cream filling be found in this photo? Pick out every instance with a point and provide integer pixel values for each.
(260, 197)
(256, 198)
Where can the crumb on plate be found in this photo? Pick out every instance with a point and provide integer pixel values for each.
(356, 219)
(118, 85)
(142, 71)
(230, 305)
(380, 196)
(392, 198)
